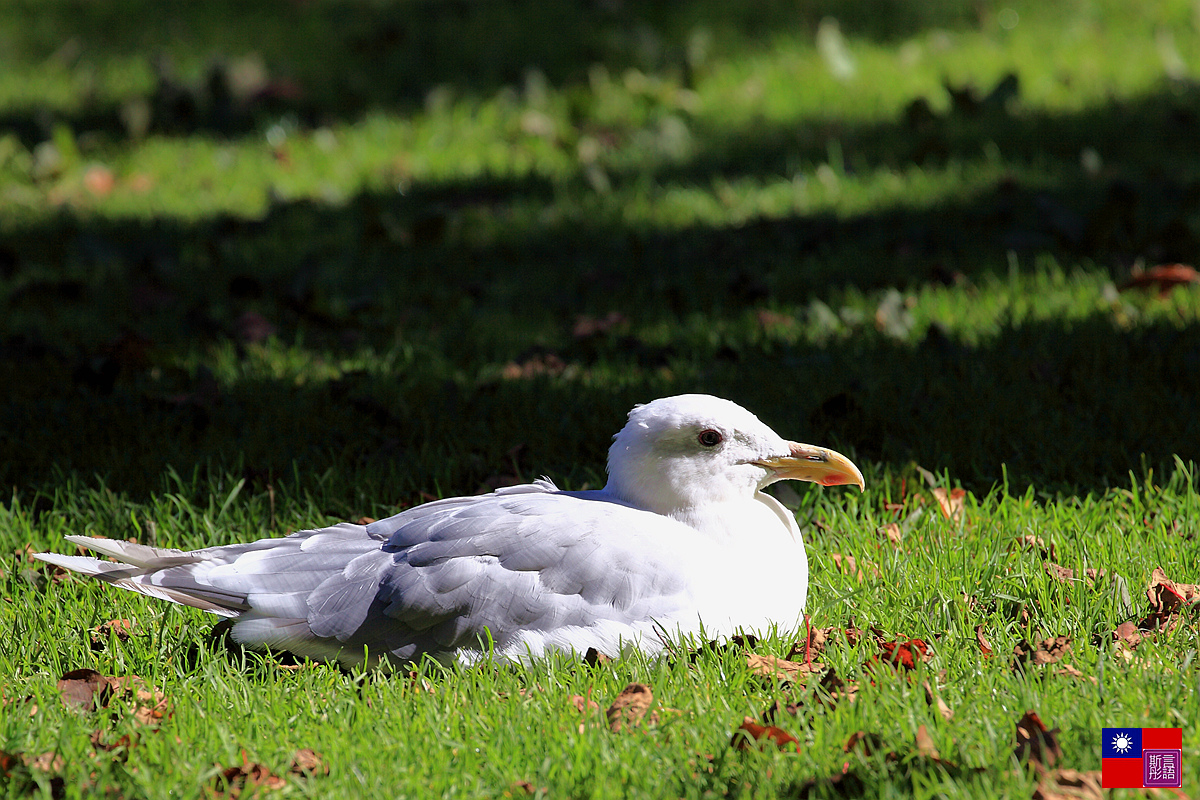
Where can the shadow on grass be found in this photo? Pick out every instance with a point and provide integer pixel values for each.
(1067, 406)
(111, 326)
(336, 59)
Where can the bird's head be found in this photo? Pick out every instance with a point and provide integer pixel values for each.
(677, 453)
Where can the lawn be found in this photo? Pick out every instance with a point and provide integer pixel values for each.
(268, 269)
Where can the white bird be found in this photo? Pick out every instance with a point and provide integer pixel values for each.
(681, 539)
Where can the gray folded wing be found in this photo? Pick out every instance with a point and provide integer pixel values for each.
(527, 566)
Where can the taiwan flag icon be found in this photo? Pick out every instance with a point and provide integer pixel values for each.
(1133, 758)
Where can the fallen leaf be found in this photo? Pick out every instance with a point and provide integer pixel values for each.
(8, 762)
(1031, 542)
(1069, 784)
(586, 326)
(85, 687)
(521, 788)
(1035, 742)
(985, 646)
(936, 700)
(750, 731)
(925, 745)
(1059, 573)
(892, 532)
(630, 707)
(306, 762)
(812, 646)
(1047, 651)
(99, 180)
(853, 635)
(780, 669)
(1127, 633)
(1164, 276)
(1167, 598)
(835, 690)
(122, 628)
(97, 740)
(533, 367)
(843, 783)
(594, 658)
(1167, 595)
(249, 778)
(774, 320)
(848, 565)
(583, 704)
(950, 503)
(1067, 669)
(903, 653)
(47, 762)
(868, 743)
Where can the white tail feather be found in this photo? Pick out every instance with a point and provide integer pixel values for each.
(138, 555)
(136, 560)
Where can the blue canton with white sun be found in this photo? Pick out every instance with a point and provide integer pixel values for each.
(1121, 743)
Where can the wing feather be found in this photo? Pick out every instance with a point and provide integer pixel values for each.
(527, 567)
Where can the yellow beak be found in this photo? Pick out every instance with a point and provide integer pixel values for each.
(808, 462)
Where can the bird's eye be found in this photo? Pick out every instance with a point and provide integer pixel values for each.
(709, 438)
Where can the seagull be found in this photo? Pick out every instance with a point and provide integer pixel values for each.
(681, 541)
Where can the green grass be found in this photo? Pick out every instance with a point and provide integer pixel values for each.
(421, 201)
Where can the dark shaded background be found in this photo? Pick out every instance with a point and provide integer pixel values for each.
(97, 353)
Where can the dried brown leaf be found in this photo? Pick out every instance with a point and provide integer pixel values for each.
(751, 732)
(1164, 276)
(950, 503)
(936, 700)
(834, 690)
(1069, 784)
(925, 745)
(1059, 573)
(630, 706)
(85, 688)
(985, 646)
(121, 628)
(1047, 651)
(773, 319)
(1127, 633)
(1037, 543)
(583, 704)
(306, 762)
(903, 653)
(1166, 595)
(1070, 671)
(46, 762)
(868, 743)
(97, 740)
(586, 326)
(248, 779)
(781, 669)
(8, 763)
(1035, 742)
(892, 532)
(812, 646)
(594, 658)
(533, 367)
(857, 569)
